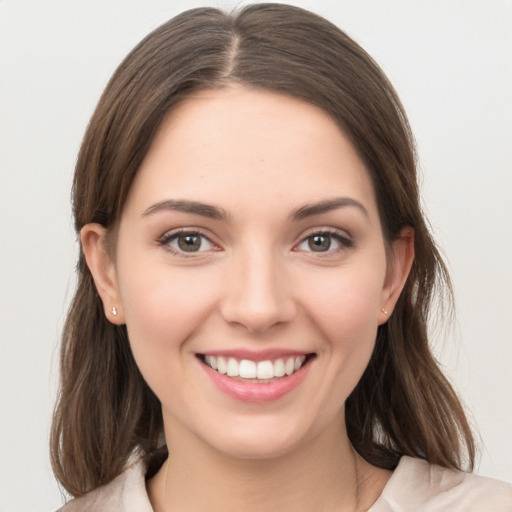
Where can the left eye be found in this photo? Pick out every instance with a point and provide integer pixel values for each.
(323, 242)
(188, 242)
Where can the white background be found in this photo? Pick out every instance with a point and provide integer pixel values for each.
(451, 61)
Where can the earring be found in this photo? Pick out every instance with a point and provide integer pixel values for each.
(385, 311)
(113, 310)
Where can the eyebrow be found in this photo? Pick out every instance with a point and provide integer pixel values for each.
(195, 207)
(326, 206)
(213, 212)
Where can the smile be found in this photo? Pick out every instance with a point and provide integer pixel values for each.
(256, 377)
(256, 371)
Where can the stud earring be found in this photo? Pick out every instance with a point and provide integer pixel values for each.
(385, 311)
(113, 310)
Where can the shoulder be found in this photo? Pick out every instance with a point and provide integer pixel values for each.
(418, 485)
(126, 493)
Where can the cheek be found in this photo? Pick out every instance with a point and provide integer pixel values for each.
(163, 307)
(346, 310)
(348, 302)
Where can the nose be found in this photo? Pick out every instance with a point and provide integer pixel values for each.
(258, 293)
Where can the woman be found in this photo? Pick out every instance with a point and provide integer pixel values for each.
(255, 278)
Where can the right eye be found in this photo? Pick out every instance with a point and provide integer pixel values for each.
(187, 242)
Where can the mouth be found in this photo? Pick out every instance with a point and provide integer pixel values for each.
(256, 372)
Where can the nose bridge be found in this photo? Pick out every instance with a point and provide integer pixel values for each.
(257, 293)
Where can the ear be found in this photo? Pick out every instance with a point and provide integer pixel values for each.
(99, 261)
(399, 265)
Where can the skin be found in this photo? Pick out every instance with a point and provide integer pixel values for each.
(256, 283)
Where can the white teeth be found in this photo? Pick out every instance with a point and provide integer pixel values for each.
(222, 367)
(211, 361)
(247, 369)
(279, 368)
(265, 370)
(289, 366)
(232, 367)
(298, 362)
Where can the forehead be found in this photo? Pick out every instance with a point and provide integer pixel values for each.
(236, 144)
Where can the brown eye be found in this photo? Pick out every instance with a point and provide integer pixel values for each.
(325, 242)
(189, 243)
(320, 243)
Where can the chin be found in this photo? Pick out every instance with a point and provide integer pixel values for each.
(260, 439)
(257, 447)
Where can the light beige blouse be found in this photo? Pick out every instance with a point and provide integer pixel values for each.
(414, 486)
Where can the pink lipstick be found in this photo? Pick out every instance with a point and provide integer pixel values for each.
(256, 377)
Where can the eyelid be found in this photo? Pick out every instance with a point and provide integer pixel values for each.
(345, 240)
(172, 234)
(342, 236)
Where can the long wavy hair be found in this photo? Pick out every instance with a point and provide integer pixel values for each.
(403, 404)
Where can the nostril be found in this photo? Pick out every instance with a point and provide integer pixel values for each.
(258, 318)
(256, 294)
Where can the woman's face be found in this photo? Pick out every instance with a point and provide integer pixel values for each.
(251, 243)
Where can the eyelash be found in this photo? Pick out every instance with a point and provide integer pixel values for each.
(344, 242)
(168, 238)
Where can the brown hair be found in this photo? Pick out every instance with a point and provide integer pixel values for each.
(403, 404)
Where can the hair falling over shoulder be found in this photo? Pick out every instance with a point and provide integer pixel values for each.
(403, 405)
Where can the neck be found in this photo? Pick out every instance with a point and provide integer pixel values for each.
(325, 474)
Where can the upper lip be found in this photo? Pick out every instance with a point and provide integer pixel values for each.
(255, 355)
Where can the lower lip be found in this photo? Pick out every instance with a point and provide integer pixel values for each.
(257, 393)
